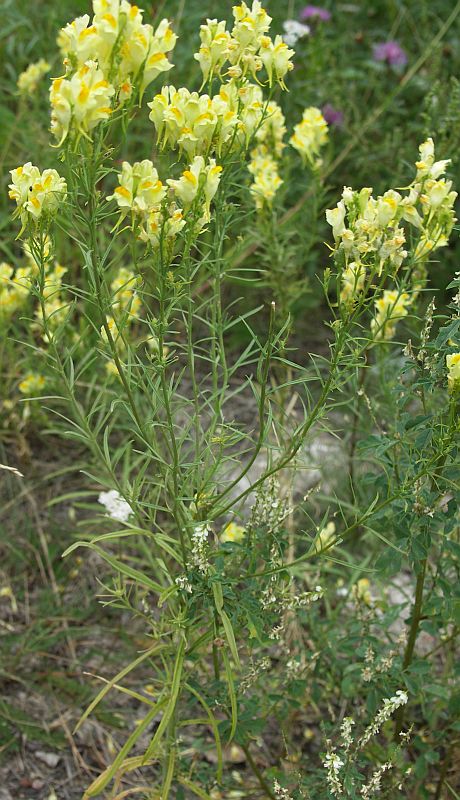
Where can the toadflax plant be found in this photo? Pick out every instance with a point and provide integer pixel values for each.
(142, 369)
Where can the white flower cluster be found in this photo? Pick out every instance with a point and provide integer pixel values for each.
(116, 506)
(246, 49)
(199, 538)
(293, 31)
(333, 765)
(390, 704)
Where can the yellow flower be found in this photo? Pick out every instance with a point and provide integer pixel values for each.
(276, 58)
(123, 288)
(361, 591)
(232, 533)
(31, 77)
(453, 376)
(140, 189)
(84, 101)
(353, 278)
(36, 193)
(390, 308)
(32, 384)
(200, 180)
(267, 181)
(325, 537)
(214, 50)
(310, 135)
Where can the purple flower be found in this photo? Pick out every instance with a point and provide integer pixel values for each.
(332, 115)
(391, 52)
(315, 13)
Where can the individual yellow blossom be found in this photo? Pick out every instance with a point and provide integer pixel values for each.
(453, 375)
(276, 58)
(111, 369)
(129, 52)
(266, 181)
(31, 77)
(326, 536)
(390, 308)
(200, 180)
(352, 282)
(123, 289)
(271, 129)
(250, 23)
(310, 135)
(36, 194)
(361, 591)
(427, 167)
(82, 101)
(32, 384)
(214, 49)
(140, 189)
(162, 226)
(232, 533)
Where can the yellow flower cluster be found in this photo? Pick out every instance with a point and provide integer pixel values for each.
(31, 77)
(269, 137)
(36, 193)
(83, 101)
(139, 189)
(310, 135)
(429, 205)
(453, 374)
(16, 286)
(246, 50)
(14, 289)
(110, 55)
(159, 213)
(32, 384)
(389, 308)
(198, 124)
(267, 181)
(368, 231)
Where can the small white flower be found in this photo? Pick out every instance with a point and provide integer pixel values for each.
(293, 31)
(115, 505)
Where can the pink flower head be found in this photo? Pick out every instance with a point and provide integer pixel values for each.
(391, 52)
(332, 115)
(315, 13)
